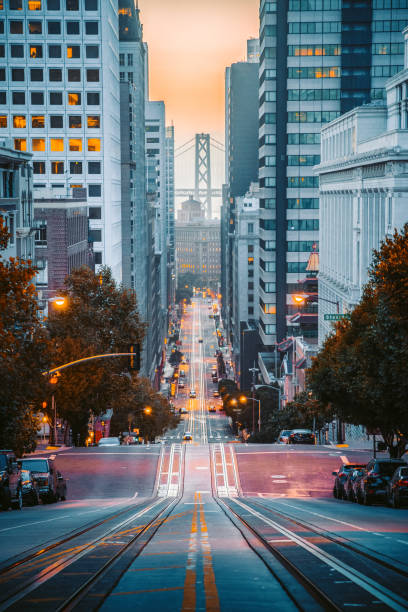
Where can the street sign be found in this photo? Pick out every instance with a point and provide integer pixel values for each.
(336, 317)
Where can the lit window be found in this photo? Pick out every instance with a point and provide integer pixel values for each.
(36, 51)
(20, 144)
(269, 309)
(75, 144)
(3, 121)
(74, 99)
(57, 167)
(19, 121)
(75, 121)
(94, 144)
(93, 121)
(76, 186)
(34, 5)
(38, 144)
(125, 11)
(37, 121)
(74, 52)
(57, 144)
(35, 27)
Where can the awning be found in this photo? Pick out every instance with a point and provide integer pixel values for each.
(285, 345)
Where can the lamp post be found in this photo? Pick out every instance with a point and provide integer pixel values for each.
(300, 299)
(254, 371)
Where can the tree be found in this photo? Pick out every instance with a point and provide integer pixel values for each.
(100, 317)
(175, 357)
(362, 369)
(23, 353)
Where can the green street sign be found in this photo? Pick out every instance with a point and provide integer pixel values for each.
(336, 317)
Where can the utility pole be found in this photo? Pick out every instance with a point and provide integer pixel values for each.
(254, 372)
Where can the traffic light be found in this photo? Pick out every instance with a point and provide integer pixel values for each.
(134, 359)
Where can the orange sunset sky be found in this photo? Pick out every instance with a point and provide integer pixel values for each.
(190, 44)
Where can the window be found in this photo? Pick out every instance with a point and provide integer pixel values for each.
(91, 5)
(121, 59)
(303, 181)
(92, 75)
(94, 144)
(75, 167)
(20, 144)
(307, 72)
(92, 98)
(16, 5)
(92, 51)
(74, 75)
(73, 52)
(18, 97)
(56, 122)
(3, 74)
(301, 246)
(56, 144)
(75, 121)
(19, 121)
(74, 99)
(303, 224)
(130, 59)
(250, 228)
(57, 167)
(303, 50)
(93, 121)
(3, 121)
(16, 27)
(95, 235)
(95, 212)
(55, 74)
(304, 138)
(2, 51)
(36, 74)
(36, 51)
(54, 51)
(303, 160)
(94, 167)
(72, 27)
(313, 94)
(34, 5)
(94, 191)
(54, 27)
(296, 267)
(312, 116)
(303, 203)
(72, 5)
(268, 203)
(37, 98)
(3, 97)
(38, 144)
(268, 266)
(75, 144)
(56, 98)
(268, 287)
(39, 167)
(17, 74)
(17, 50)
(35, 27)
(91, 28)
(1, 22)
(53, 5)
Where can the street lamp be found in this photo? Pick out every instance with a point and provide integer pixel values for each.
(254, 371)
(300, 299)
(54, 381)
(59, 301)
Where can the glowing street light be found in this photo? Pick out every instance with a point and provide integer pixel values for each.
(59, 301)
(148, 410)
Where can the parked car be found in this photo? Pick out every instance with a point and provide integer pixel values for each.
(301, 436)
(212, 409)
(182, 411)
(11, 495)
(182, 373)
(200, 340)
(193, 394)
(397, 488)
(52, 485)
(111, 441)
(374, 485)
(341, 475)
(352, 476)
(284, 436)
(187, 437)
(29, 488)
(181, 385)
(216, 394)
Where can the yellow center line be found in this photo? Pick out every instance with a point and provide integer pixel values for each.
(189, 599)
(212, 603)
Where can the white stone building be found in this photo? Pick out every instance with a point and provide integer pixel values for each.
(363, 179)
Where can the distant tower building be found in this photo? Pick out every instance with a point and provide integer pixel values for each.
(170, 205)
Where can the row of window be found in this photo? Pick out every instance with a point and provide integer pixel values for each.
(303, 181)
(55, 121)
(385, 4)
(306, 225)
(303, 203)
(303, 160)
(304, 138)
(267, 224)
(333, 72)
(302, 50)
(54, 51)
(37, 99)
(94, 191)
(268, 266)
(314, 5)
(309, 95)
(312, 116)
(375, 49)
(18, 75)
(56, 145)
(58, 167)
(50, 5)
(53, 27)
(301, 246)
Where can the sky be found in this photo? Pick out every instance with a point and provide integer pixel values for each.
(190, 44)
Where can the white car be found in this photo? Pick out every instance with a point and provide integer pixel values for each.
(181, 385)
(109, 442)
(193, 394)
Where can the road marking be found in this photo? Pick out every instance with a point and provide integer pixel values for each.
(344, 459)
(36, 522)
(278, 476)
(202, 467)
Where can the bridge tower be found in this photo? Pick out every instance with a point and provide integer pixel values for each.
(203, 171)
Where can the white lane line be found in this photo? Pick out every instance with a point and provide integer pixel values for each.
(35, 523)
(344, 459)
(394, 601)
(328, 518)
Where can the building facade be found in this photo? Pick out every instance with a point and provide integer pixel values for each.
(16, 201)
(363, 194)
(59, 100)
(170, 205)
(318, 59)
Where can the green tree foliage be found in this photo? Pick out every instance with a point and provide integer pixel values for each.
(99, 318)
(362, 369)
(23, 353)
(175, 357)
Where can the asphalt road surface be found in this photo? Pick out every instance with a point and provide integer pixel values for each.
(204, 525)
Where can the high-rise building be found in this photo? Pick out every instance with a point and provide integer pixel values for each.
(319, 58)
(241, 158)
(59, 99)
(170, 205)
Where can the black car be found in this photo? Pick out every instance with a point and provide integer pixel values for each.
(301, 436)
(29, 488)
(51, 484)
(341, 476)
(348, 487)
(397, 489)
(374, 485)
